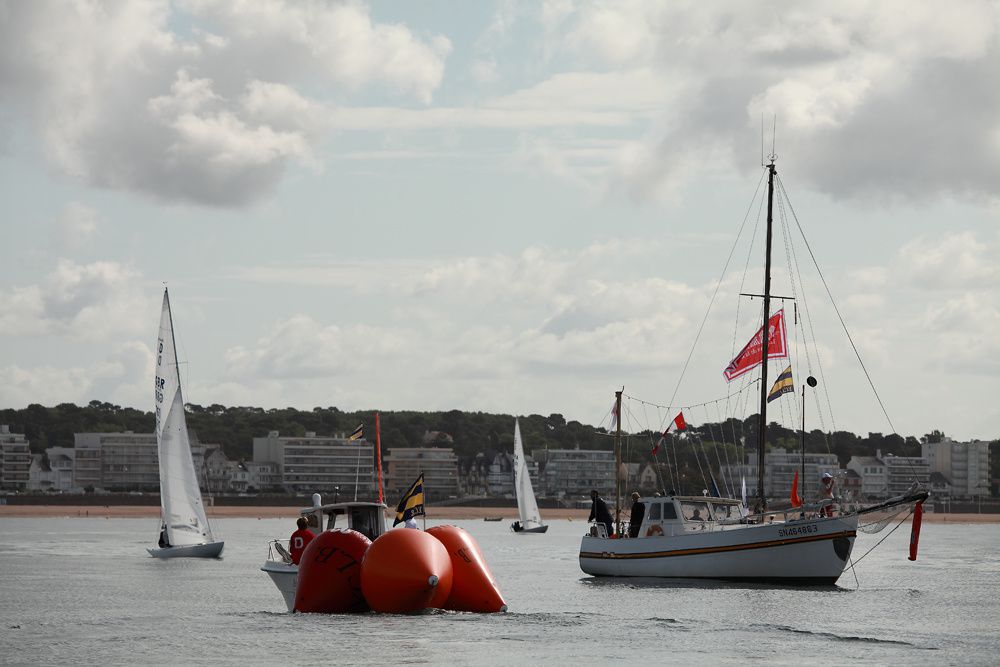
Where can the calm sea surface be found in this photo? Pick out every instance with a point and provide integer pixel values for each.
(84, 591)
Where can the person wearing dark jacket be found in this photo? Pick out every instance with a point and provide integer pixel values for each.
(635, 519)
(599, 512)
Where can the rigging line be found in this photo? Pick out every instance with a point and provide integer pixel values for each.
(711, 434)
(715, 448)
(843, 323)
(656, 463)
(681, 408)
(725, 450)
(694, 450)
(808, 320)
(746, 268)
(883, 539)
(715, 293)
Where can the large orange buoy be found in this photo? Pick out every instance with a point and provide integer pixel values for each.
(473, 587)
(406, 570)
(329, 580)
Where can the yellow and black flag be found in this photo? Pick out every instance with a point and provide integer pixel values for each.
(359, 433)
(783, 385)
(412, 503)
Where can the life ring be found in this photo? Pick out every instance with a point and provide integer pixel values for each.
(654, 530)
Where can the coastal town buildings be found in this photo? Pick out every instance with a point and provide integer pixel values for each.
(52, 471)
(314, 463)
(15, 460)
(964, 466)
(872, 472)
(439, 466)
(124, 461)
(572, 473)
(780, 466)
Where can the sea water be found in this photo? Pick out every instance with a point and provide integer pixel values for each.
(84, 591)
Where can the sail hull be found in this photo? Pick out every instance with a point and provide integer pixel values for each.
(527, 506)
(209, 550)
(813, 552)
(532, 530)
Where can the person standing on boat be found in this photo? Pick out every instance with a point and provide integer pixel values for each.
(635, 518)
(826, 492)
(300, 539)
(599, 512)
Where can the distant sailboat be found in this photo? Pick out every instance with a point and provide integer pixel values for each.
(184, 529)
(527, 507)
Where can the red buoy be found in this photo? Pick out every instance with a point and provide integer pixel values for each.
(918, 515)
(406, 570)
(329, 579)
(473, 587)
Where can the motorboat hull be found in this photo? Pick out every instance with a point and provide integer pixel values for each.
(285, 577)
(809, 551)
(208, 550)
(518, 528)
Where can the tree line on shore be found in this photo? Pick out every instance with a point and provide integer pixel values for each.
(475, 436)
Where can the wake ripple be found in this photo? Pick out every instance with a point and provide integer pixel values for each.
(845, 638)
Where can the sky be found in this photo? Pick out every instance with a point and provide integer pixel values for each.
(510, 207)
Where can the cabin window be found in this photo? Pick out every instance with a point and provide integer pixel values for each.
(654, 511)
(724, 512)
(669, 513)
(695, 511)
(362, 521)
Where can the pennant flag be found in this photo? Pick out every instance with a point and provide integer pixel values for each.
(614, 416)
(749, 356)
(656, 447)
(783, 385)
(744, 495)
(678, 424)
(412, 503)
(796, 501)
(359, 433)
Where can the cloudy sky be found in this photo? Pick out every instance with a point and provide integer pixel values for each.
(510, 207)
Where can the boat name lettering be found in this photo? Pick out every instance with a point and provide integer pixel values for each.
(798, 530)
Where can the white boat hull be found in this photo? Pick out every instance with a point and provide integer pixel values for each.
(804, 552)
(209, 550)
(286, 577)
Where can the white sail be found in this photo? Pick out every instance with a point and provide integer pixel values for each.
(181, 506)
(527, 507)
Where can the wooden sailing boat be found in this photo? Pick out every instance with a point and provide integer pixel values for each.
(711, 537)
(184, 529)
(527, 506)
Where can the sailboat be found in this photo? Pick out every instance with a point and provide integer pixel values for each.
(527, 506)
(708, 537)
(184, 529)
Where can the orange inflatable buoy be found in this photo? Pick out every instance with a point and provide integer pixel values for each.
(329, 580)
(473, 587)
(406, 570)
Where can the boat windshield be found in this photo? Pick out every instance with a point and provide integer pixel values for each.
(695, 510)
(725, 511)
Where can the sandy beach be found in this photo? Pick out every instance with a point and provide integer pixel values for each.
(455, 513)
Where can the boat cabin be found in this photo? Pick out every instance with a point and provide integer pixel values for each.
(674, 515)
(365, 517)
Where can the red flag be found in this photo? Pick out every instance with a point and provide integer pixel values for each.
(796, 501)
(614, 416)
(678, 424)
(749, 356)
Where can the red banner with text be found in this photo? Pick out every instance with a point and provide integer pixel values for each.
(749, 356)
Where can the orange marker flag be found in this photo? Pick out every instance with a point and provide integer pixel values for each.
(796, 501)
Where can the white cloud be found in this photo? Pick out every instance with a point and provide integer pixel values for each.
(88, 301)
(123, 102)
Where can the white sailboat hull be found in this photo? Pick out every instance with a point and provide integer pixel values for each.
(808, 551)
(286, 577)
(209, 550)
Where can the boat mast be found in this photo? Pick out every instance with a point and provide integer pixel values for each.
(173, 341)
(618, 464)
(765, 336)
